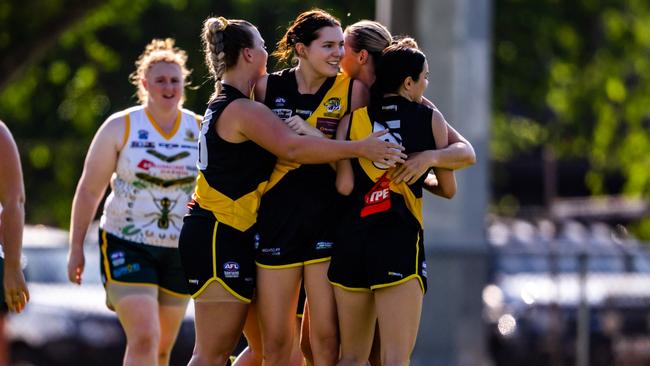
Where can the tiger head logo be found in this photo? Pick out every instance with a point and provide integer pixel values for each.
(333, 105)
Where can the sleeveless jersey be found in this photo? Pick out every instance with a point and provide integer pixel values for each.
(153, 180)
(322, 110)
(295, 192)
(232, 176)
(409, 125)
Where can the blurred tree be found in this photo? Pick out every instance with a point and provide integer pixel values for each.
(574, 77)
(65, 65)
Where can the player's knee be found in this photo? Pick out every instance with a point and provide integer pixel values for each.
(395, 360)
(277, 345)
(352, 360)
(143, 342)
(326, 342)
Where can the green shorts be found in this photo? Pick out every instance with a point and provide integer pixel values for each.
(127, 262)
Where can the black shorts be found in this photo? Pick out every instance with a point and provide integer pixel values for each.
(387, 253)
(296, 232)
(127, 262)
(213, 251)
(293, 248)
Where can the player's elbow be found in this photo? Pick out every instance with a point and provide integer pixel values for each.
(470, 158)
(344, 187)
(448, 191)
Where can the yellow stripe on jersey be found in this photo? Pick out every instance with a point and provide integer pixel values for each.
(361, 127)
(127, 129)
(240, 214)
(162, 133)
(333, 106)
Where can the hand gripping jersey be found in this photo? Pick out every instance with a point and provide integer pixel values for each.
(232, 176)
(409, 124)
(153, 180)
(296, 189)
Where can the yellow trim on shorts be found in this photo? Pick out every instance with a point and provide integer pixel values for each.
(214, 250)
(351, 289)
(147, 284)
(417, 256)
(121, 283)
(282, 266)
(214, 272)
(315, 261)
(294, 265)
(415, 275)
(103, 248)
(107, 270)
(226, 287)
(390, 284)
(173, 293)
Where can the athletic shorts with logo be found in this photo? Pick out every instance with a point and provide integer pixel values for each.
(213, 251)
(305, 235)
(127, 262)
(385, 253)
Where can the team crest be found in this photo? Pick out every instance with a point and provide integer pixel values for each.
(143, 134)
(333, 105)
(189, 135)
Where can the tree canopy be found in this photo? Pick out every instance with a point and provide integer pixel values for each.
(569, 77)
(65, 65)
(573, 77)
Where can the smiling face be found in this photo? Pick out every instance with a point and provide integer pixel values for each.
(164, 84)
(325, 52)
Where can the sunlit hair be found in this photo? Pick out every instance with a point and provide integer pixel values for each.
(370, 36)
(158, 50)
(398, 61)
(304, 29)
(223, 39)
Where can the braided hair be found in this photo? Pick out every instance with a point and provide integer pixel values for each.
(223, 39)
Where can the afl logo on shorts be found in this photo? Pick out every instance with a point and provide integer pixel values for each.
(117, 259)
(280, 102)
(231, 269)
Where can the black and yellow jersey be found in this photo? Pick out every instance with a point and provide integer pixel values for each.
(409, 125)
(232, 176)
(294, 189)
(322, 110)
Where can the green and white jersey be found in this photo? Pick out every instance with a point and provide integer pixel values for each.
(154, 179)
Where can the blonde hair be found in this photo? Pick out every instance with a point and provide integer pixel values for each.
(223, 39)
(158, 50)
(370, 36)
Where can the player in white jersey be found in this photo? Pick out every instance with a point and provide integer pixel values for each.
(148, 154)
